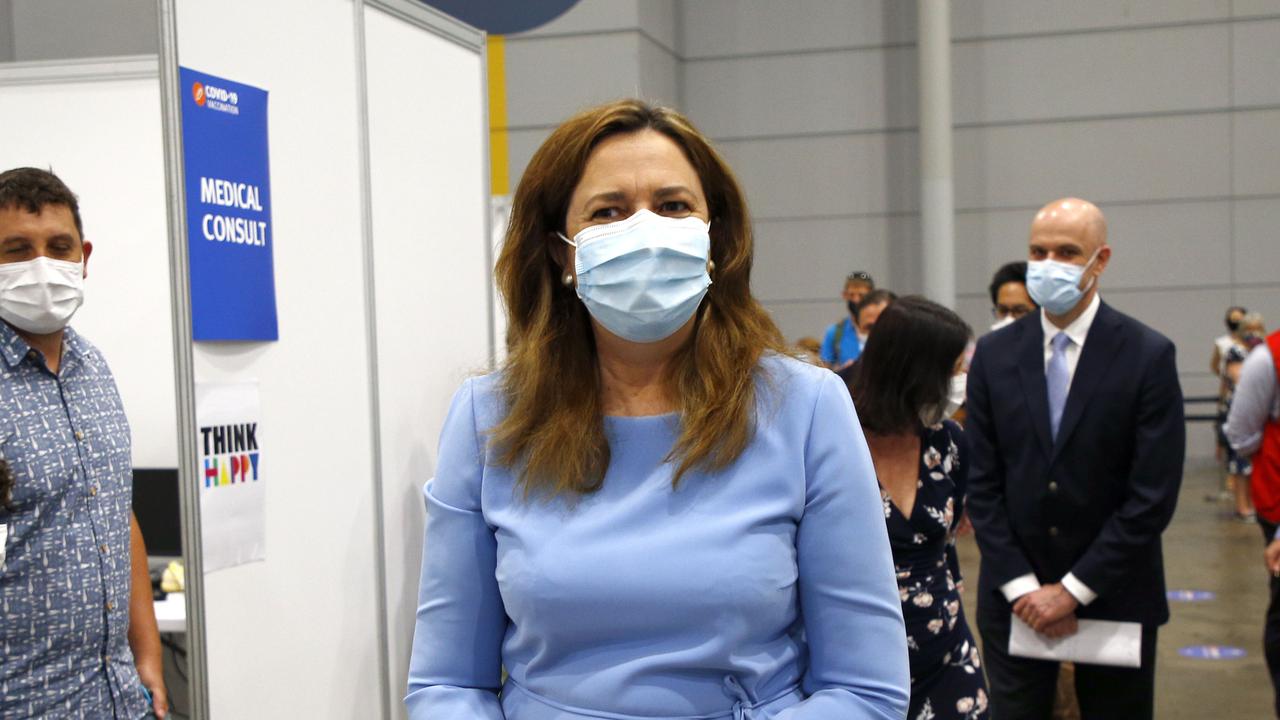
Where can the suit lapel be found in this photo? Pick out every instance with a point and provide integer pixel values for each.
(1034, 387)
(1101, 345)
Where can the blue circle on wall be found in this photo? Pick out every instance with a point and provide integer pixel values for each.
(499, 17)
(1191, 596)
(1212, 652)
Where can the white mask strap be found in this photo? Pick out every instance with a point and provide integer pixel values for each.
(1088, 265)
(562, 237)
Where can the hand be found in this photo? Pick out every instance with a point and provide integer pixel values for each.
(1043, 607)
(151, 673)
(1066, 627)
(1272, 556)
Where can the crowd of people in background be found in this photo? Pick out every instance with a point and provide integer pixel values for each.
(915, 463)
(1070, 463)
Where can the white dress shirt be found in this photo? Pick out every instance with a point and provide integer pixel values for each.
(1078, 330)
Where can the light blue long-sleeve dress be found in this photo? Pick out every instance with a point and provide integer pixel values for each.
(764, 591)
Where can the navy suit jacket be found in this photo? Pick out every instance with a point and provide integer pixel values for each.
(1095, 501)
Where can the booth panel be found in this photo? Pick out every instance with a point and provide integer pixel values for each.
(296, 635)
(103, 139)
(428, 183)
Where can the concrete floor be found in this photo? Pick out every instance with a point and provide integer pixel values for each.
(1204, 550)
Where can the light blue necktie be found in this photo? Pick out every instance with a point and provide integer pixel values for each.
(1059, 379)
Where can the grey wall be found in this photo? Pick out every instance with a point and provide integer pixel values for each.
(6, 31)
(814, 105)
(60, 29)
(1164, 112)
(598, 51)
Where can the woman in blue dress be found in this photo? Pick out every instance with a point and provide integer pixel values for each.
(649, 511)
(906, 384)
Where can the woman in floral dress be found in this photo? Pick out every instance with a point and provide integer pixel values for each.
(908, 381)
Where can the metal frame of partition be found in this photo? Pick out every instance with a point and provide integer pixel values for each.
(438, 23)
(415, 14)
(371, 346)
(42, 72)
(183, 360)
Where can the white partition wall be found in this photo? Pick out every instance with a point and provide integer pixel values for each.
(296, 635)
(378, 157)
(429, 188)
(96, 123)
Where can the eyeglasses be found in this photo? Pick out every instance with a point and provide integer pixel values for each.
(1015, 311)
(859, 276)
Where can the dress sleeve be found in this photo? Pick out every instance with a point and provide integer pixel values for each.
(848, 594)
(455, 669)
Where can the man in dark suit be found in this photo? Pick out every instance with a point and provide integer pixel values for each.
(1076, 425)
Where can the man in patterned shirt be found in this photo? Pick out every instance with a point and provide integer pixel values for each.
(78, 636)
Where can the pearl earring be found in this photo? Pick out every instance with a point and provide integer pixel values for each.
(567, 279)
(711, 266)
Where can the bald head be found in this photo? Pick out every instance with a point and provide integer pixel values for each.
(1077, 218)
(1074, 232)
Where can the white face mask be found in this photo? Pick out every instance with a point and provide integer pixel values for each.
(40, 295)
(931, 416)
(1055, 285)
(956, 398)
(643, 277)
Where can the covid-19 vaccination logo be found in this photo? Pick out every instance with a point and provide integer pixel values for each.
(216, 98)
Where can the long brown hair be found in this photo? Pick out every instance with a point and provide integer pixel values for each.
(554, 425)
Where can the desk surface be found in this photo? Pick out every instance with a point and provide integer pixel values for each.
(171, 613)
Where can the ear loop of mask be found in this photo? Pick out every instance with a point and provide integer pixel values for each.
(1092, 281)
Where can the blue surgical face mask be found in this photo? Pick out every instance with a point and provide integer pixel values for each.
(1055, 286)
(643, 278)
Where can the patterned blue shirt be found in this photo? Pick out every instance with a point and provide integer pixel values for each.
(64, 581)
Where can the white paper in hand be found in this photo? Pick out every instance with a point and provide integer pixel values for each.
(1098, 642)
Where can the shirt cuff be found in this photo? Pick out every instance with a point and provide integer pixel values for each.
(1020, 586)
(1078, 590)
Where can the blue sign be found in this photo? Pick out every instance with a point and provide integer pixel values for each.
(228, 192)
(1212, 652)
(1191, 596)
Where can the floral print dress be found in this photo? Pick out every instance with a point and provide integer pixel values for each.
(946, 673)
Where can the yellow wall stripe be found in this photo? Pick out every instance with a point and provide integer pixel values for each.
(499, 163)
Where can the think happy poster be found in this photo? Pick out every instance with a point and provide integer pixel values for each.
(230, 476)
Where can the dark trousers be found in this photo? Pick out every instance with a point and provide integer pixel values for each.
(1023, 689)
(1271, 631)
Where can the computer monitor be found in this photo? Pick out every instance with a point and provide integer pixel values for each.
(156, 505)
